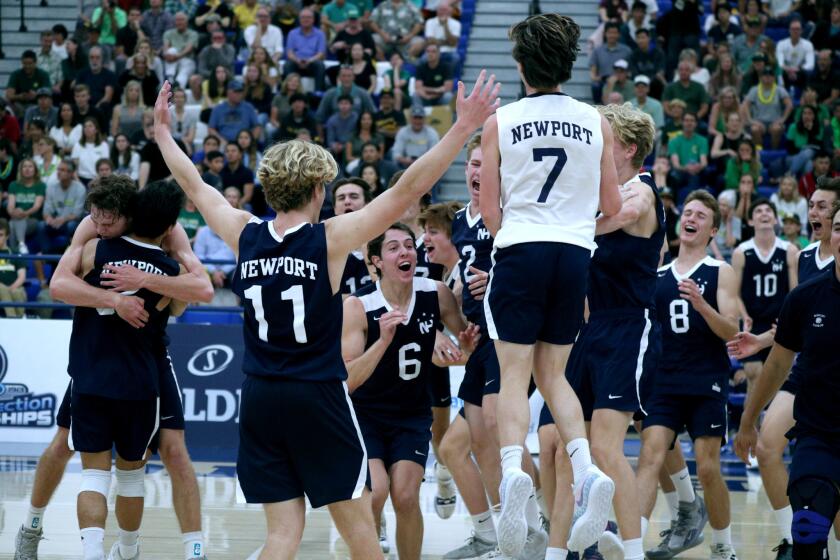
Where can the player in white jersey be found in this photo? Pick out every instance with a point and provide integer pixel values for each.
(549, 158)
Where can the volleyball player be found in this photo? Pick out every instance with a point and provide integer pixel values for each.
(298, 431)
(549, 159)
(351, 195)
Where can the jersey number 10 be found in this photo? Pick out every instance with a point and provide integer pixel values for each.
(293, 294)
(769, 282)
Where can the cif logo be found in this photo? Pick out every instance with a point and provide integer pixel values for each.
(210, 360)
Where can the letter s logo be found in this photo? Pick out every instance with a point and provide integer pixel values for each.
(210, 360)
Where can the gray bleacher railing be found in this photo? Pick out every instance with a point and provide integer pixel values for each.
(534, 8)
(23, 28)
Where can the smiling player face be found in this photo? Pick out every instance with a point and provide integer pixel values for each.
(473, 172)
(819, 213)
(696, 224)
(437, 243)
(763, 217)
(399, 257)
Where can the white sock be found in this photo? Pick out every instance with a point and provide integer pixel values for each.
(721, 536)
(532, 513)
(443, 474)
(511, 457)
(34, 518)
(633, 549)
(685, 489)
(836, 546)
(541, 503)
(483, 525)
(784, 519)
(129, 543)
(93, 539)
(645, 525)
(673, 504)
(578, 450)
(193, 545)
(552, 553)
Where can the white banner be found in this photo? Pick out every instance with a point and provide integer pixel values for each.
(33, 377)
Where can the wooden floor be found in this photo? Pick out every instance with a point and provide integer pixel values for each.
(235, 530)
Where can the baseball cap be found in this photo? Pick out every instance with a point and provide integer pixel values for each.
(43, 92)
(768, 71)
(641, 79)
(792, 218)
(759, 56)
(418, 111)
(621, 63)
(352, 12)
(236, 85)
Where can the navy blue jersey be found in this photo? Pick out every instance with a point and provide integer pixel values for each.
(810, 263)
(356, 274)
(809, 323)
(109, 357)
(475, 245)
(765, 281)
(292, 317)
(425, 268)
(622, 273)
(399, 384)
(694, 359)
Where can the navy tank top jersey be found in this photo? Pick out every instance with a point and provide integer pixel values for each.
(109, 357)
(399, 384)
(292, 317)
(622, 273)
(810, 263)
(356, 274)
(475, 247)
(694, 359)
(765, 281)
(425, 268)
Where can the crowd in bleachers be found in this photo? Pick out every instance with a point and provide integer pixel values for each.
(360, 77)
(745, 97)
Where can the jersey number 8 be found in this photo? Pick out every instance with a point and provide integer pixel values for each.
(679, 316)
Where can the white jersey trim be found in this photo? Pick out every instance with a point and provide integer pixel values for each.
(279, 238)
(707, 260)
(141, 243)
(471, 221)
(488, 314)
(640, 361)
(765, 259)
(376, 299)
(821, 264)
(362, 478)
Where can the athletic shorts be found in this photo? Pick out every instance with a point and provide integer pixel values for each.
(439, 387)
(299, 438)
(760, 356)
(793, 381)
(392, 439)
(62, 417)
(813, 457)
(700, 415)
(536, 292)
(100, 424)
(545, 416)
(481, 374)
(614, 360)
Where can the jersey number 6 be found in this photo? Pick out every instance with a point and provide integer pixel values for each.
(560, 154)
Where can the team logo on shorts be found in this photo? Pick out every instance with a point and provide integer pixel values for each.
(19, 407)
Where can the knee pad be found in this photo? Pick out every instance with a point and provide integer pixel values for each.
(94, 480)
(815, 502)
(131, 484)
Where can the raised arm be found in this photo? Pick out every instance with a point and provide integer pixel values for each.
(490, 178)
(609, 193)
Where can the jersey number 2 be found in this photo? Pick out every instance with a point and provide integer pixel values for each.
(293, 294)
(560, 154)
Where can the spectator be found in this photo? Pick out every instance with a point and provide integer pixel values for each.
(824, 80)
(724, 30)
(179, 47)
(108, 18)
(213, 90)
(8, 167)
(727, 75)
(184, 6)
(613, 11)
(91, 147)
(63, 208)
(752, 76)
(246, 14)
(184, 122)
(620, 81)
(251, 156)
(269, 70)
(792, 231)
(193, 90)
(213, 165)
(365, 133)
(388, 119)
(124, 159)
(281, 104)
(264, 34)
(128, 35)
(636, 21)
(699, 74)
(334, 16)
(66, 132)
(152, 165)
(396, 80)
(25, 204)
(370, 175)
(354, 32)
(127, 117)
(306, 49)
(340, 127)
(445, 31)
(692, 93)
(825, 35)
(746, 45)
(821, 167)
(782, 12)
(92, 41)
(236, 174)
(12, 274)
(397, 26)
(9, 127)
(155, 22)
(214, 11)
(43, 110)
(25, 82)
(729, 233)
(233, 114)
(75, 62)
(34, 133)
(649, 105)
(217, 53)
(805, 138)
(153, 61)
(721, 109)
(370, 155)
(768, 106)
(809, 97)
(745, 162)
(190, 219)
(48, 61)
(725, 145)
(46, 158)
(346, 86)
(788, 201)
(209, 246)
(795, 55)
(104, 168)
(139, 140)
(648, 60)
(363, 71)
(211, 143)
(144, 77)
(101, 82)
(689, 153)
(746, 192)
(415, 140)
(433, 85)
(59, 46)
(603, 58)
(298, 118)
(681, 29)
(257, 93)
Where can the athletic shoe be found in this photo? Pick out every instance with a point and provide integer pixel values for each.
(722, 552)
(591, 553)
(609, 544)
(784, 551)
(475, 547)
(593, 504)
(535, 544)
(446, 496)
(383, 536)
(115, 553)
(688, 530)
(515, 490)
(26, 544)
(662, 552)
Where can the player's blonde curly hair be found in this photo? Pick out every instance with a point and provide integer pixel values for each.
(291, 171)
(631, 126)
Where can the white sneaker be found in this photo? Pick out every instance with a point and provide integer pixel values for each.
(22, 248)
(593, 503)
(446, 497)
(722, 552)
(610, 546)
(115, 553)
(535, 544)
(515, 490)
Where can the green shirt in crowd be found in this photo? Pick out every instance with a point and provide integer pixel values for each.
(191, 221)
(688, 150)
(25, 196)
(9, 268)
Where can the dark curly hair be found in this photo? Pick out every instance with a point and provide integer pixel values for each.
(115, 194)
(156, 208)
(546, 46)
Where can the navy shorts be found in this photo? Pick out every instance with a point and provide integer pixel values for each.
(793, 381)
(439, 387)
(101, 424)
(761, 356)
(299, 438)
(813, 457)
(614, 359)
(701, 416)
(396, 439)
(545, 416)
(481, 374)
(62, 417)
(536, 292)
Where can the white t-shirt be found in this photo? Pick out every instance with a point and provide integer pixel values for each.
(88, 155)
(801, 54)
(434, 30)
(66, 140)
(272, 39)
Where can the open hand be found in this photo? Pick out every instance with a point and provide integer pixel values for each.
(482, 102)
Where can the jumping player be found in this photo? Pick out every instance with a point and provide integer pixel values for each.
(549, 159)
(288, 276)
(387, 343)
(351, 195)
(697, 308)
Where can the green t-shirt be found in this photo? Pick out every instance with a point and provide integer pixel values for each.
(108, 33)
(25, 196)
(191, 221)
(688, 150)
(9, 268)
(694, 95)
(362, 5)
(336, 13)
(23, 83)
